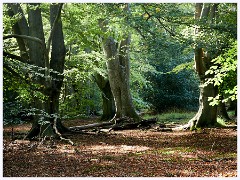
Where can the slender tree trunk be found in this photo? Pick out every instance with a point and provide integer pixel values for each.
(108, 106)
(222, 111)
(57, 65)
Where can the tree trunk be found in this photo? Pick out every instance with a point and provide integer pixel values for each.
(56, 64)
(206, 115)
(107, 97)
(222, 111)
(21, 27)
(118, 73)
(36, 55)
(49, 84)
(233, 106)
(118, 66)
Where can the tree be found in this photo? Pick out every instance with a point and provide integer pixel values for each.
(86, 58)
(224, 75)
(118, 67)
(206, 115)
(47, 71)
(205, 52)
(108, 105)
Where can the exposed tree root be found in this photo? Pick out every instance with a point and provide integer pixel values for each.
(117, 124)
(189, 126)
(59, 134)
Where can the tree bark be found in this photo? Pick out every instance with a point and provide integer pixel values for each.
(233, 106)
(206, 115)
(222, 111)
(107, 97)
(36, 55)
(21, 27)
(50, 81)
(57, 63)
(118, 73)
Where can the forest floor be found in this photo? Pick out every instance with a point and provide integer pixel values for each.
(128, 153)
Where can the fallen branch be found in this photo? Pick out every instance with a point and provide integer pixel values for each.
(89, 126)
(229, 127)
(117, 124)
(130, 124)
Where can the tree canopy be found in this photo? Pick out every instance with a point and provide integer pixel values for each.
(161, 56)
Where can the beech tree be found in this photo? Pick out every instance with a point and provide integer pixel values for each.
(108, 105)
(206, 15)
(118, 66)
(47, 59)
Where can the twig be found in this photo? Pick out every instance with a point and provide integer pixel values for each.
(212, 145)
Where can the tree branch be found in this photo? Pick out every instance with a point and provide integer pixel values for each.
(149, 15)
(24, 37)
(139, 31)
(53, 28)
(163, 25)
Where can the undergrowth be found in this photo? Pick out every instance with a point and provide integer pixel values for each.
(176, 116)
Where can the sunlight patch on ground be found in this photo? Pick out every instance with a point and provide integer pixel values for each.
(118, 148)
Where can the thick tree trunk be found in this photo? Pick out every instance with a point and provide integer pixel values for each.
(118, 73)
(36, 54)
(107, 97)
(206, 115)
(49, 83)
(118, 66)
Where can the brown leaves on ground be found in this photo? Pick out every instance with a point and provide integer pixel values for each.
(132, 153)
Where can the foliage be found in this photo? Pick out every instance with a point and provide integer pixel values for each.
(19, 90)
(224, 72)
(161, 45)
(161, 54)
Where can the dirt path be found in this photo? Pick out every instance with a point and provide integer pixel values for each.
(132, 153)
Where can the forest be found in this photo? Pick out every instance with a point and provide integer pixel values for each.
(119, 89)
